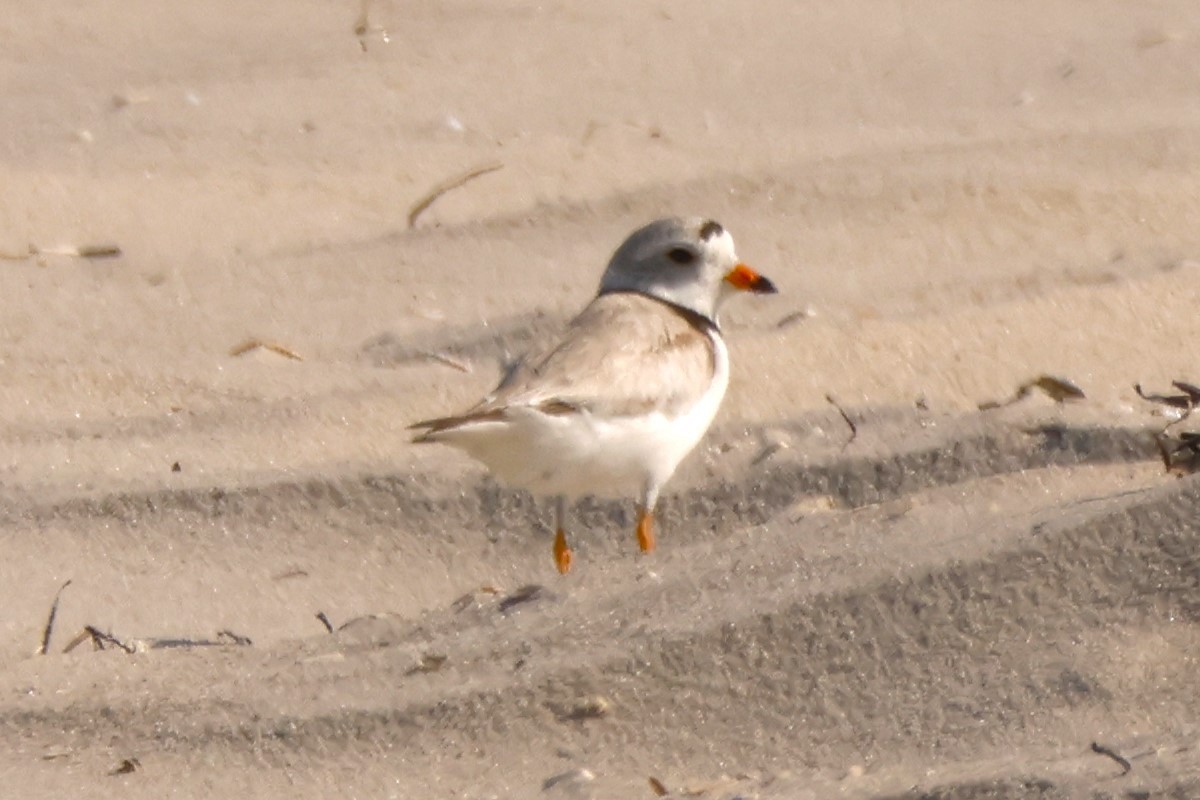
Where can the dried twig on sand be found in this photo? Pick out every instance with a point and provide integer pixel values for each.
(274, 347)
(1108, 751)
(92, 251)
(49, 629)
(448, 185)
(846, 418)
(102, 641)
(448, 360)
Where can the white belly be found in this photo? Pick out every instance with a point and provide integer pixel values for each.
(581, 453)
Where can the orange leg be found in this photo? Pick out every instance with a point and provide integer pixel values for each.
(645, 529)
(562, 553)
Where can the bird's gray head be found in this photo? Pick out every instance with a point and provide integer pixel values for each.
(688, 262)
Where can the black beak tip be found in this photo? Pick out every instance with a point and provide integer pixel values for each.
(764, 286)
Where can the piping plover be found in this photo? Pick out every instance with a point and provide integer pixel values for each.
(613, 405)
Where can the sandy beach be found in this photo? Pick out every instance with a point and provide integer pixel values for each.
(228, 282)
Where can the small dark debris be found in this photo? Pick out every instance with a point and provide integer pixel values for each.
(102, 640)
(325, 621)
(430, 662)
(525, 594)
(658, 787)
(1179, 455)
(235, 638)
(1108, 751)
(176, 468)
(788, 320)
(289, 574)
(846, 418)
(105, 250)
(127, 766)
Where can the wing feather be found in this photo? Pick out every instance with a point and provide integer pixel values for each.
(625, 354)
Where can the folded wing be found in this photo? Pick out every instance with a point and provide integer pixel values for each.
(624, 355)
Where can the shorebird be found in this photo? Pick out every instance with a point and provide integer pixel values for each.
(612, 406)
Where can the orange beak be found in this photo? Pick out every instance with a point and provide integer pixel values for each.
(747, 280)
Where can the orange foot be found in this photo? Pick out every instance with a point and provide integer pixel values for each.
(562, 553)
(645, 530)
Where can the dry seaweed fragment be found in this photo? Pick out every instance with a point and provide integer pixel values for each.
(1180, 454)
(448, 185)
(445, 358)
(1186, 401)
(1059, 390)
(1184, 457)
(325, 621)
(658, 787)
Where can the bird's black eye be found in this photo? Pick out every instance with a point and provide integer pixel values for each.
(681, 255)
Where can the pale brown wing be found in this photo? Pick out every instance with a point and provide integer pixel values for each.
(625, 354)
